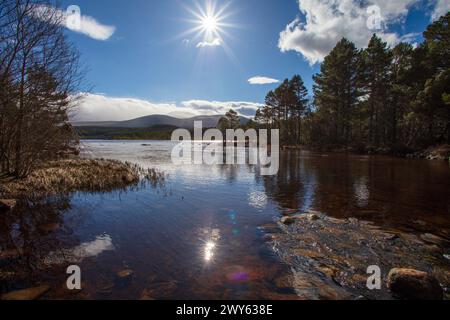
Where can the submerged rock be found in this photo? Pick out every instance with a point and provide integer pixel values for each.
(336, 253)
(125, 274)
(27, 294)
(431, 238)
(412, 284)
(159, 290)
(49, 227)
(288, 220)
(7, 204)
(8, 255)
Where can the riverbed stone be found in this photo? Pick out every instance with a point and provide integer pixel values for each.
(7, 204)
(27, 294)
(288, 220)
(313, 217)
(125, 274)
(49, 227)
(431, 238)
(411, 284)
(8, 255)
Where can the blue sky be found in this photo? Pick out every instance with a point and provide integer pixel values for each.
(147, 56)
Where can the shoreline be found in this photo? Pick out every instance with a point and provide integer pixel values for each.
(440, 152)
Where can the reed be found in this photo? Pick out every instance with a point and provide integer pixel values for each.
(70, 175)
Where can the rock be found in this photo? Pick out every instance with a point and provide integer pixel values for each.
(125, 274)
(389, 236)
(353, 220)
(6, 275)
(269, 237)
(420, 223)
(124, 278)
(447, 256)
(313, 217)
(287, 220)
(291, 219)
(11, 254)
(412, 284)
(7, 204)
(146, 295)
(289, 212)
(431, 238)
(159, 290)
(284, 281)
(49, 227)
(27, 294)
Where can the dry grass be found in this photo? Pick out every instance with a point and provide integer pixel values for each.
(71, 175)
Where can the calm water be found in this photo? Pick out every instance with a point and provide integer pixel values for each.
(196, 234)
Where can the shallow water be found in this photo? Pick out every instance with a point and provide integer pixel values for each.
(197, 235)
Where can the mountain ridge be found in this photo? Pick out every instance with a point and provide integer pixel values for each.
(155, 120)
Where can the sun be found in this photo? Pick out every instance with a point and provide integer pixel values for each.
(209, 21)
(209, 24)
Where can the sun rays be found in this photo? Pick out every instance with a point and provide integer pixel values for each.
(209, 24)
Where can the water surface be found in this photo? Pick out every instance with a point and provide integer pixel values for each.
(196, 235)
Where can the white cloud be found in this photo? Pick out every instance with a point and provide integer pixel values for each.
(216, 42)
(98, 107)
(327, 21)
(262, 80)
(441, 8)
(86, 25)
(94, 29)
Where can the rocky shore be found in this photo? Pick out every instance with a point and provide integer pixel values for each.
(330, 258)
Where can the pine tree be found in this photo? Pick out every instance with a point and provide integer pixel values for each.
(377, 60)
(336, 91)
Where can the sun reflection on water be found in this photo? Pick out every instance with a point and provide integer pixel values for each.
(209, 251)
(210, 241)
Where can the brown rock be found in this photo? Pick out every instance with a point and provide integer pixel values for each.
(49, 227)
(412, 284)
(287, 220)
(284, 281)
(7, 204)
(9, 254)
(431, 238)
(313, 217)
(125, 274)
(27, 294)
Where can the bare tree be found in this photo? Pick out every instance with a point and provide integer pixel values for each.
(39, 76)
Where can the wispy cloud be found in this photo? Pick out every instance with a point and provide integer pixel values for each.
(86, 25)
(99, 107)
(262, 80)
(441, 8)
(213, 43)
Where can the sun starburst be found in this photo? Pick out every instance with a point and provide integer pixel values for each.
(209, 23)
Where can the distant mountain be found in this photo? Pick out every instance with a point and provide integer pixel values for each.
(157, 120)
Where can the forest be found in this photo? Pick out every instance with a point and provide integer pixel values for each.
(380, 97)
